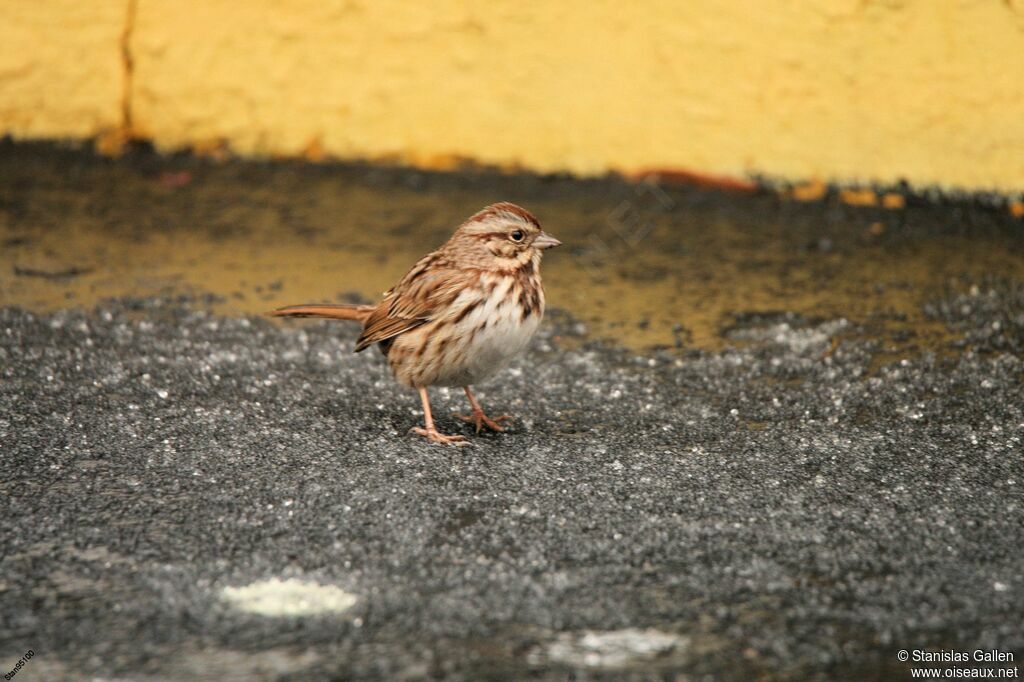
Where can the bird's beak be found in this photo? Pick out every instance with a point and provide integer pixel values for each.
(545, 241)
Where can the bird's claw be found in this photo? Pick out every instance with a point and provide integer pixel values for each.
(479, 419)
(436, 436)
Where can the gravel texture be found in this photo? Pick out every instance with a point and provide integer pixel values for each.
(784, 507)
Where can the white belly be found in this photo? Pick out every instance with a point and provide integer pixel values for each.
(494, 344)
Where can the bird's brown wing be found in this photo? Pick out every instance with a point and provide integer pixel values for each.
(422, 295)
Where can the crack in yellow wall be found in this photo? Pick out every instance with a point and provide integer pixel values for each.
(128, 65)
(845, 90)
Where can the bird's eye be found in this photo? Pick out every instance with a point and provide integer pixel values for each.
(516, 235)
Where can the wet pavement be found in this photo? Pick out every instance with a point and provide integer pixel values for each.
(756, 437)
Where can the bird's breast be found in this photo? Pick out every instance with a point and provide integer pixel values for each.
(483, 329)
(499, 327)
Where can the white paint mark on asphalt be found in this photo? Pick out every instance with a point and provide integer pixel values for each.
(613, 648)
(283, 598)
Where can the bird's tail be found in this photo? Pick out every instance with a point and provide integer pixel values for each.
(340, 311)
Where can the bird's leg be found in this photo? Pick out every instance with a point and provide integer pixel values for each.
(478, 417)
(430, 432)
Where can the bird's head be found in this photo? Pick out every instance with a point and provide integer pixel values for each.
(503, 236)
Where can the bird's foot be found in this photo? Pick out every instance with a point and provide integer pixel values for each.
(479, 419)
(436, 436)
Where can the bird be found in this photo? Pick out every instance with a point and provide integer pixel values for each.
(460, 314)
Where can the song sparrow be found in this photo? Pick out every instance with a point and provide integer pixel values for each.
(461, 313)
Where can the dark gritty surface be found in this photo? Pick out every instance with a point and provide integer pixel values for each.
(785, 514)
(758, 501)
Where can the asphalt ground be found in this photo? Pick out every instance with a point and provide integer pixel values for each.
(802, 499)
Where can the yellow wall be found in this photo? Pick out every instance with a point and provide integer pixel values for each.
(847, 90)
(61, 67)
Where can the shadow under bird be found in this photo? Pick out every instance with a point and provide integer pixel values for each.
(461, 313)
